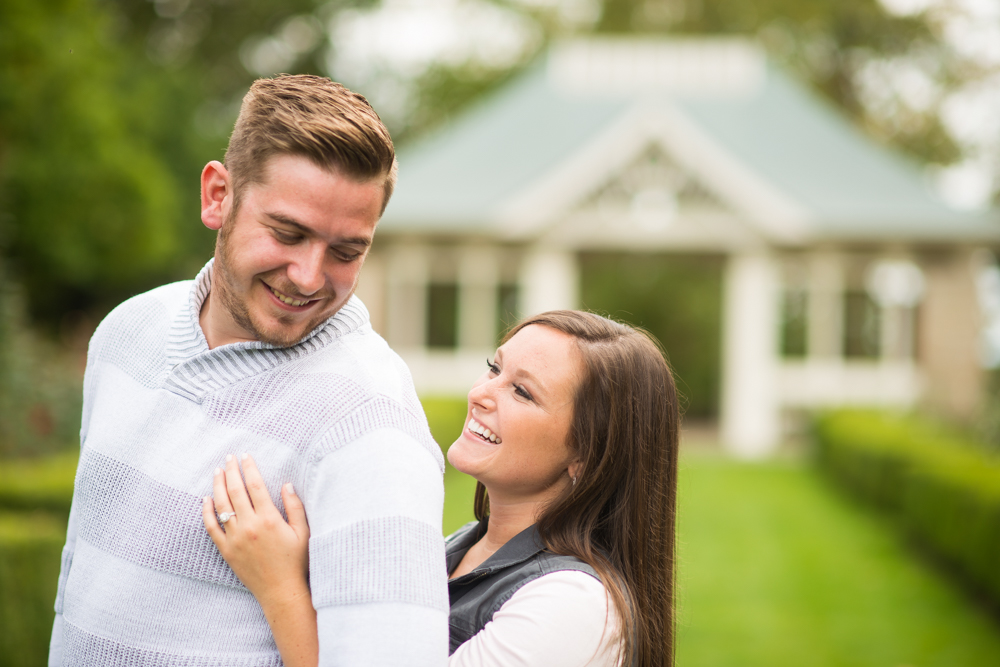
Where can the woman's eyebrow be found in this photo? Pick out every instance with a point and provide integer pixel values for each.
(532, 378)
(522, 373)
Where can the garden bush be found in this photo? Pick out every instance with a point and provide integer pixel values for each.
(446, 418)
(35, 497)
(30, 553)
(941, 485)
(44, 483)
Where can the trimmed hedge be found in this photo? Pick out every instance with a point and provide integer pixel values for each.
(30, 554)
(38, 484)
(446, 418)
(35, 497)
(942, 486)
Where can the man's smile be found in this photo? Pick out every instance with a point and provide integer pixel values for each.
(284, 299)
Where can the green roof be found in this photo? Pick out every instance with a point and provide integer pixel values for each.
(848, 187)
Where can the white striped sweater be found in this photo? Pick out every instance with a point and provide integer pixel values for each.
(335, 414)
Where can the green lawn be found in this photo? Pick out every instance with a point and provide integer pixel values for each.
(777, 569)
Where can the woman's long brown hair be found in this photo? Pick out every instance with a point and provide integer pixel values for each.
(619, 516)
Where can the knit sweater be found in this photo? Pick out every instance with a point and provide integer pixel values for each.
(335, 414)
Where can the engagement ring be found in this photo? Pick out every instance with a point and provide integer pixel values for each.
(226, 516)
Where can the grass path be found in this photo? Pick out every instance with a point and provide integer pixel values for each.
(777, 569)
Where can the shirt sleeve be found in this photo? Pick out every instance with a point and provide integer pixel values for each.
(558, 620)
(376, 553)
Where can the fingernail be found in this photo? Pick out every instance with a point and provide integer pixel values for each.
(218, 471)
(244, 456)
(204, 500)
(229, 457)
(290, 488)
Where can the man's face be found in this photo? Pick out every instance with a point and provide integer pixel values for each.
(290, 256)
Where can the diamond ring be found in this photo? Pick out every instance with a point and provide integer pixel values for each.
(226, 516)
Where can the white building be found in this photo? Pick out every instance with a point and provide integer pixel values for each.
(687, 146)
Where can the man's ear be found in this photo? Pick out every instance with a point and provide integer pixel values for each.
(216, 194)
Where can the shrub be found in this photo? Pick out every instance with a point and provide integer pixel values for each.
(446, 417)
(943, 487)
(40, 388)
(35, 497)
(38, 484)
(30, 553)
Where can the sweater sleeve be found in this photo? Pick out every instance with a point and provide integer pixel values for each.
(89, 381)
(376, 554)
(558, 620)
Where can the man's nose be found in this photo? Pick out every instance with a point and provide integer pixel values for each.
(306, 271)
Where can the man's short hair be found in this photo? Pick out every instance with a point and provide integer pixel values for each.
(314, 117)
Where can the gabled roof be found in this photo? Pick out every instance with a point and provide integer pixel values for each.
(775, 153)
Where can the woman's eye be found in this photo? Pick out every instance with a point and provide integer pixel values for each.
(493, 367)
(522, 392)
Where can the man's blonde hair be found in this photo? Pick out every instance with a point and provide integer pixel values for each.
(314, 117)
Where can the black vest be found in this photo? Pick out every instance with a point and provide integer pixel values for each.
(476, 596)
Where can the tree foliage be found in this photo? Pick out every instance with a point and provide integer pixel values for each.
(89, 204)
(108, 111)
(826, 42)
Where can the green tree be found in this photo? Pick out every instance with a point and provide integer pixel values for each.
(108, 111)
(827, 42)
(89, 207)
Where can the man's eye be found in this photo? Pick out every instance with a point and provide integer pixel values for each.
(346, 256)
(286, 237)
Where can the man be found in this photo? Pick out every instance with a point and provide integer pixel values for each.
(265, 352)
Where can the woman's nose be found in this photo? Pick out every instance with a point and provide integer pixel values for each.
(484, 393)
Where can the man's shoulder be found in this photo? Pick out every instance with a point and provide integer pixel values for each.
(367, 388)
(364, 356)
(143, 315)
(164, 299)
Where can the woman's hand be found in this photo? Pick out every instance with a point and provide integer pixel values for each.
(270, 556)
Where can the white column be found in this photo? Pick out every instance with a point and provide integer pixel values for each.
(406, 277)
(478, 273)
(750, 419)
(549, 281)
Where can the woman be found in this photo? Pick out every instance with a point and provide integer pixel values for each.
(572, 436)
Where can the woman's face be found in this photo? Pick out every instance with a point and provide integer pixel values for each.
(520, 414)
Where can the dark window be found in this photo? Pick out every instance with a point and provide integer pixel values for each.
(442, 315)
(677, 298)
(506, 309)
(861, 326)
(794, 327)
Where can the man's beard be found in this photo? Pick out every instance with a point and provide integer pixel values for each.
(222, 281)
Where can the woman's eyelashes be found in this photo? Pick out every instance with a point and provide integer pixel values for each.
(494, 368)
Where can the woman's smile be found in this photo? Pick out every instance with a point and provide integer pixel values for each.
(482, 432)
